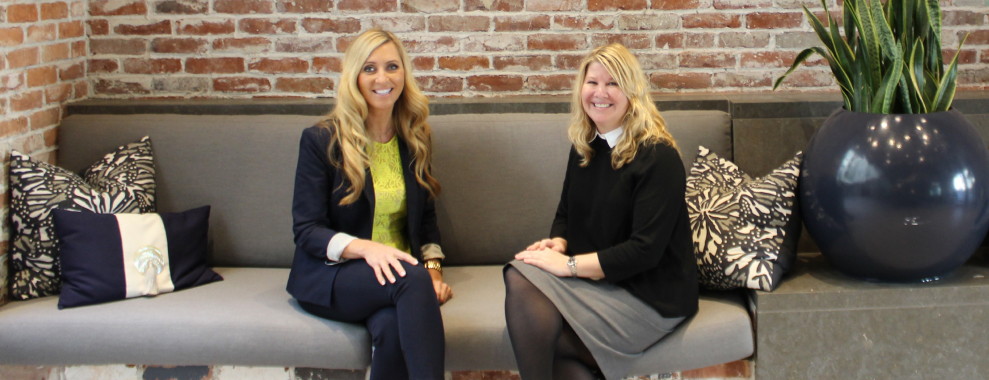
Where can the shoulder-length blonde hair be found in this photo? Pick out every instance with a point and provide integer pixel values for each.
(347, 148)
(642, 121)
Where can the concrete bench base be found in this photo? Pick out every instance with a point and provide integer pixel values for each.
(821, 324)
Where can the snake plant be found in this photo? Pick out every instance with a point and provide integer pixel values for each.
(889, 59)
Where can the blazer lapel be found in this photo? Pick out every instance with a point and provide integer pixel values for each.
(369, 190)
(412, 196)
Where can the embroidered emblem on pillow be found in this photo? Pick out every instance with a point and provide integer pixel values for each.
(107, 257)
(150, 263)
(744, 230)
(123, 181)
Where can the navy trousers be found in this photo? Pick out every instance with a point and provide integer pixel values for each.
(403, 319)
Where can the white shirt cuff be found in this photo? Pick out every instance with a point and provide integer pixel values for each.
(337, 243)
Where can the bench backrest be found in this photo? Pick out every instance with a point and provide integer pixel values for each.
(501, 174)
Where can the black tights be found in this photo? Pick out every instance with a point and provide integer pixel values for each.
(545, 345)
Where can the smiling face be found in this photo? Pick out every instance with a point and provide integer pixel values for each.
(603, 101)
(382, 78)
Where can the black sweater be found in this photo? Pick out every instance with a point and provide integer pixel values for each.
(635, 218)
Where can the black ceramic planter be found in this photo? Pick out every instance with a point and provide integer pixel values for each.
(901, 197)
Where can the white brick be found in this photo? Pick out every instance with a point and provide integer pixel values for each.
(183, 85)
(399, 24)
(12, 82)
(498, 42)
(743, 40)
(797, 40)
(810, 4)
(430, 6)
(657, 61)
(649, 21)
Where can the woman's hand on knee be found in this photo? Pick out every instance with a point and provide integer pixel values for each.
(385, 260)
(556, 244)
(548, 260)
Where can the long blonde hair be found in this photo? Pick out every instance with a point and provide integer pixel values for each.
(346, 121)
(642, 121)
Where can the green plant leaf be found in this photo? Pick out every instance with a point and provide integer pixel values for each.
(842, 52)
(886, 41)
(838, 53)
(946, 89)
(862, 92)
(822, 33)
(801, 57)
(916, 73)
(890, 57)
(907, 97)
(933, 10)
(930, 89)
(871, 41)
(921, 17)
(883, 100)
(930, 12)
(902, 21)
(848, 17)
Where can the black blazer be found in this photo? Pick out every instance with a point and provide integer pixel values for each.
(636, 219)
(317, 215)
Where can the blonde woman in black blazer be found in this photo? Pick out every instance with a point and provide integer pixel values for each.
(617, 272)
(343, 268)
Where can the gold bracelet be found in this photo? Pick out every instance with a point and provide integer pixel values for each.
(434, 264)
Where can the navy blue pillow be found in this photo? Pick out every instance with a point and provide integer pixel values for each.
(108, 257)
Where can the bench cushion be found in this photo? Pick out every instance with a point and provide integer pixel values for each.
(246, 319)
(249, 319)
(477, 338)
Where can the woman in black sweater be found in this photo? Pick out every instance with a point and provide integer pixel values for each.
(617, 273)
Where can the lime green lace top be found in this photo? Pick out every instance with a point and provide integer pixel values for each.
(390, 206)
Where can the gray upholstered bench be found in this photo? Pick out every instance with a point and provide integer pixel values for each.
(501, 175)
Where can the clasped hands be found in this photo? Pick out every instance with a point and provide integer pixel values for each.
(548, 255)
(386, 262)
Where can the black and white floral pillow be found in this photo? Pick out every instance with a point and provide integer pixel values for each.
(122, 182)
(744, 230)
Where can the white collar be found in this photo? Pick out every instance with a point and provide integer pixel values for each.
(612, 136)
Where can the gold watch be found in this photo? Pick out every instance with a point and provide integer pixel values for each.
(434, 264)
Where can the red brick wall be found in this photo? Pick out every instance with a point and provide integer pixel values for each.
(42, 67)
(267, 48)
(55, 51)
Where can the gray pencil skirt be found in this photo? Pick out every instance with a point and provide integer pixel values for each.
(614, 325)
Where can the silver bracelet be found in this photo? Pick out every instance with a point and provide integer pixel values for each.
(572, 264)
